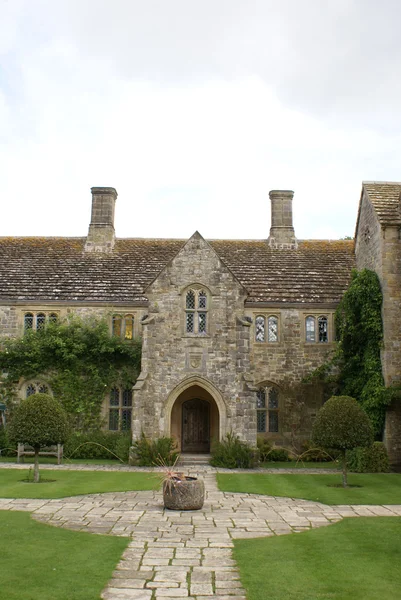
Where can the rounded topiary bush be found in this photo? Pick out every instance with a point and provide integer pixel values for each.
(342, 424)
(39, 421)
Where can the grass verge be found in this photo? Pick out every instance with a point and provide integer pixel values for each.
(51, 460)
(73, 483)
(40, 562)
(293, 464)
(355, 559)
(378, 488)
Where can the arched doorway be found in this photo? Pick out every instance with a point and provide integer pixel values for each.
(195, 431)
(195, 416)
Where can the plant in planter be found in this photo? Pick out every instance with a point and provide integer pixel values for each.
(182, 492)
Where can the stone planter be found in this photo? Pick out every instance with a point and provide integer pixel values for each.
(183, 494)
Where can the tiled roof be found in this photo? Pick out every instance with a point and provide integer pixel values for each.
(385, 197)
(58, 269)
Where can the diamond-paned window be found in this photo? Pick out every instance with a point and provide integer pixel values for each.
(196, 307)
(272, 329)
(323, 330)
(202, 322)
(36, 387)
(120, 409)
(202, 300)
(190, 300)
(310, 329)
(28, 321)
(40, 321)
(267, 409)
(260, 329)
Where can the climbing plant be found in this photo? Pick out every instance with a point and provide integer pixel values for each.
(355, 370)
(78, 358)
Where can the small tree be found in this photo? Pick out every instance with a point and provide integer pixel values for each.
(342, 424)
(39, 421)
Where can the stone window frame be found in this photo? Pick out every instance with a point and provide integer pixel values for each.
(119, 408)
(269, 428)
(196, 289)
(35, 386)
(329, 315)
(266, 315)
(39, 319)
(121, 332)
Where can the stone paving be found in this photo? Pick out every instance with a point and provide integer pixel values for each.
(185, 554)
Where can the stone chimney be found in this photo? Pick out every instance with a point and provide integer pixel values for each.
(282, 233)
(101, 234)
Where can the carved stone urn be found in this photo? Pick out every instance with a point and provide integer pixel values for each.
(183, 493)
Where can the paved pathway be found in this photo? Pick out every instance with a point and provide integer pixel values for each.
(185, 554)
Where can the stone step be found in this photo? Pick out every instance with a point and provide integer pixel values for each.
(194, 460)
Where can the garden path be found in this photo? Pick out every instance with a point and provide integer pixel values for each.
(185, 554)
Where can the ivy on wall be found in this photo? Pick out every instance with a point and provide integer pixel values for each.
(80, 361)
(355, 369)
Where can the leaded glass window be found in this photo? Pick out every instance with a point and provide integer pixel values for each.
(53, 318)
(260, 329)
(120, 409)
(36, 387)
(190, 302)
(190, 322)
(323, 330)
(202, 300)
(267, 409)
(40, 321)
(28, 321)
(196, 306)
(310, 329)
(272, 328)
(30, 390)
(116, 325)
(128, 327)
(202, 322)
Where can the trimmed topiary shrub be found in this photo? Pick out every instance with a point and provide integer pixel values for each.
(373, 459)
(39, 421)
(342, 424)
(232, 453)
(150, 453)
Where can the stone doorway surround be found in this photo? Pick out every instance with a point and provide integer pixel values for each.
(195, 387)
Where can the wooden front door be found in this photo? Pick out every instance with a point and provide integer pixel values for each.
(195, 426)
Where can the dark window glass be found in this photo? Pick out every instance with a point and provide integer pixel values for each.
(114, 397)
(28, 321)
(260, 329)
(40, 321)
(261, 421)
(202, 300)
(126, 419)
(261, 398)
(53, 318)
(273, 398)
(30, 390)
(113, 419)
(190, 322)
(273, 421)
(202, 323)
(190, 300)
(323, 331)
(127, 398)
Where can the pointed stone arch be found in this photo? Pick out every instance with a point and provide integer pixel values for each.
(210, 388)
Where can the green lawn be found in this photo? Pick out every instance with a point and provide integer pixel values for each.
(293, 464)
(73, 483)
(51, 460)
(379, 488)
(356, 559)
(40, 562)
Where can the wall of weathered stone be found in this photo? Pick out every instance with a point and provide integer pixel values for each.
(286, 363)
(8, 321)
(170, 355)
(379, 249)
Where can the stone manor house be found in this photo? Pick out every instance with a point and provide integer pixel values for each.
(230, 327)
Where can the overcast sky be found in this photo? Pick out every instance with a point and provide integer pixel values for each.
(194, 110)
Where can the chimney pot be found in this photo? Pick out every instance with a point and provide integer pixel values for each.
(282, 233)
(101, 235)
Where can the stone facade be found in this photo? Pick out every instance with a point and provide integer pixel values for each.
(232, 355)
(378, 247)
